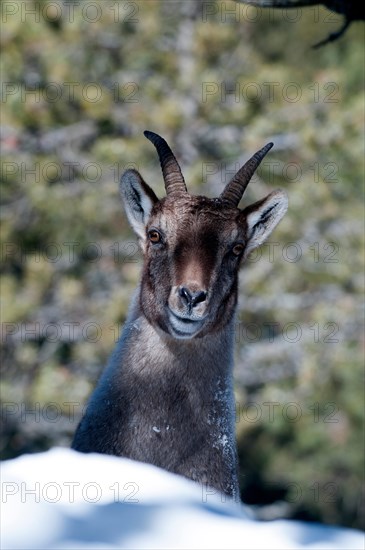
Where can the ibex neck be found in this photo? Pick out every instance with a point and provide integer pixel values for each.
(212, 353)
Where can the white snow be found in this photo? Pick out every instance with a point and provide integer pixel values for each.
(62, 499)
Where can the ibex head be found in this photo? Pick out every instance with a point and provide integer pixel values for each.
(193, 245)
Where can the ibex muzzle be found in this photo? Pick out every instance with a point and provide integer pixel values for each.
(166, 396)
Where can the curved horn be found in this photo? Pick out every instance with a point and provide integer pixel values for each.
(234, 190)
(173, 178)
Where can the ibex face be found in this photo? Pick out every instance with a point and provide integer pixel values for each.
(193, 246)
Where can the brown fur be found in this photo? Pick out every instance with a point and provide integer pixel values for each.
(166, 396)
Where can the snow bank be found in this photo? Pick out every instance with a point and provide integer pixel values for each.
(64, 499)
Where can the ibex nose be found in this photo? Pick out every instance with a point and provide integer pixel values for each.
(192, 298)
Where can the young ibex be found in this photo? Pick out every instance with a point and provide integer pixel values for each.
(166, 396)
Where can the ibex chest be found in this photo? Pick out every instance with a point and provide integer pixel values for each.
(172, 403)
(171, 384)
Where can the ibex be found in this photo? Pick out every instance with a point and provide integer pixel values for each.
(166, 396)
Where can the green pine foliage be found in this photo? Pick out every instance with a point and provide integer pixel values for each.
(218, 80)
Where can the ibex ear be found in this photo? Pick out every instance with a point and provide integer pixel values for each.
(263, 216)
(138, 199)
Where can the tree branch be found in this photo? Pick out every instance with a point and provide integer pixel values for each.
(352, 10)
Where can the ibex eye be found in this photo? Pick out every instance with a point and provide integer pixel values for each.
(154, 236)
(237, 249)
